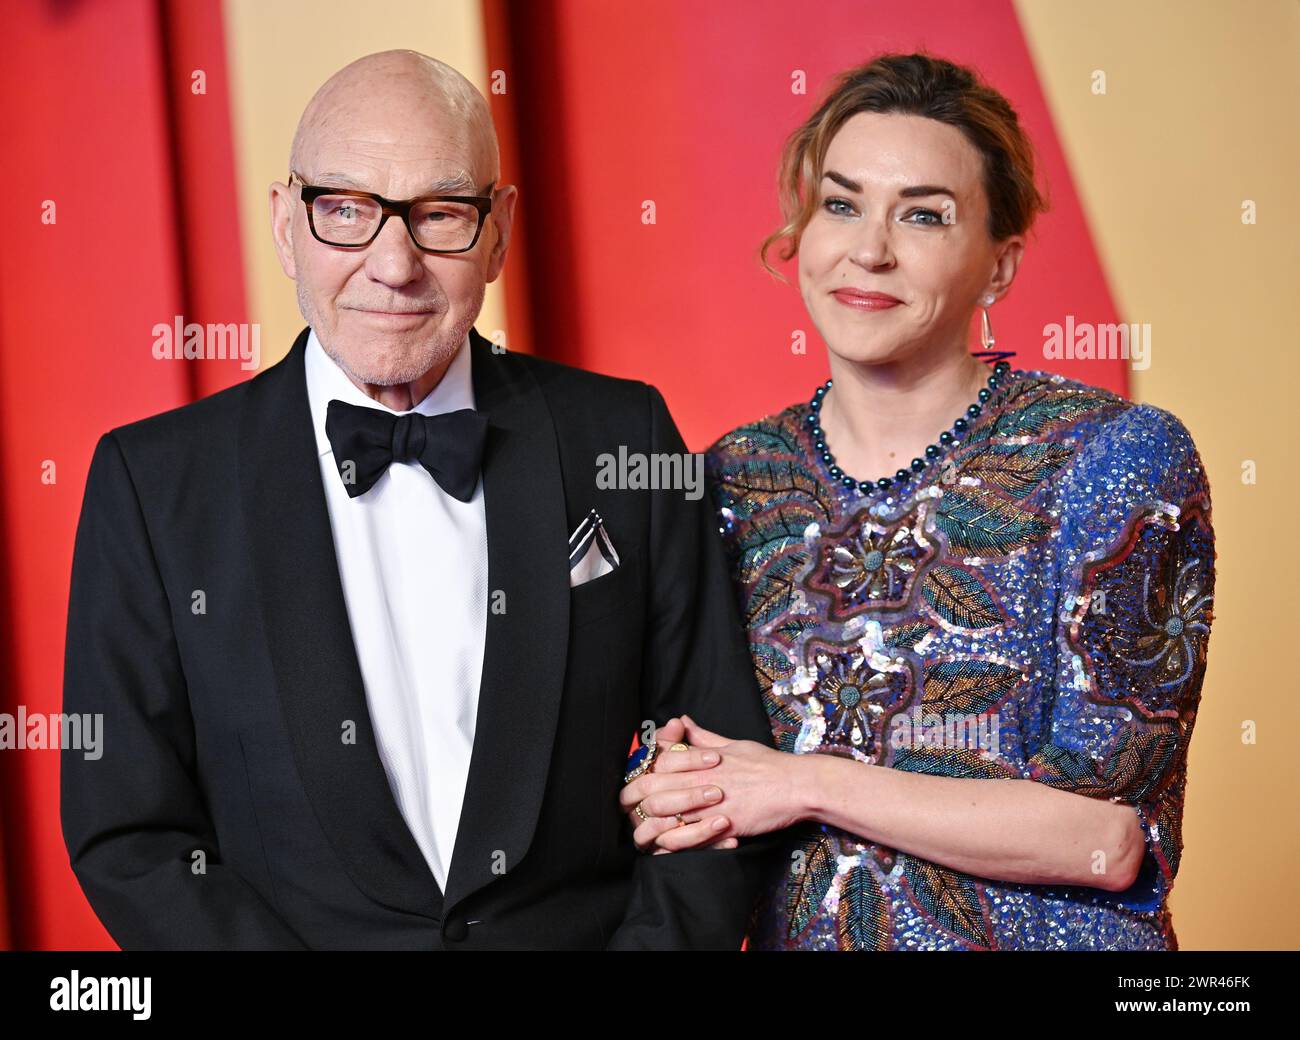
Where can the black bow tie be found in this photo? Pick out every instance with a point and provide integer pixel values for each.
(366, 440)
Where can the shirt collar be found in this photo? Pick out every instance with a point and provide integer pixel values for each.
(327, 382)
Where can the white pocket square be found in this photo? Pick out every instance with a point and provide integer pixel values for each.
(591, 552)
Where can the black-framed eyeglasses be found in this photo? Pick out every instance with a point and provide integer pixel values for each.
(436, 223)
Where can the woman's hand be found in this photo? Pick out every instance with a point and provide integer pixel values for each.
(662, 796)
(751, 789)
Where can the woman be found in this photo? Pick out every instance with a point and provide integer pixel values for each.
(978, 601)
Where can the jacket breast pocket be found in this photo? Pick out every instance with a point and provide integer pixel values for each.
(609, 594)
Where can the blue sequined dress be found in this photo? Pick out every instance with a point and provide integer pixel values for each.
(1035, 603)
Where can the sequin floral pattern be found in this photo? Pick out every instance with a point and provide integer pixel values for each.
(1033, 602)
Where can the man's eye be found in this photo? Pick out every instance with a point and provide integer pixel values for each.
(839, 207)
(931, 217)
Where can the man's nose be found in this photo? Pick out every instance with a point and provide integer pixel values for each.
(393, 257)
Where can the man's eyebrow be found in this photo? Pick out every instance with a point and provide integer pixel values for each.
(915, 191)
(339, 180)
(459, 184)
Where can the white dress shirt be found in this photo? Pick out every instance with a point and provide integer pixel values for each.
(413, 561)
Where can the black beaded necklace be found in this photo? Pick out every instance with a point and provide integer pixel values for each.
(932, 451)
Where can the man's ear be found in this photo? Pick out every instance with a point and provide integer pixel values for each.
(502, 217)
(283, 207)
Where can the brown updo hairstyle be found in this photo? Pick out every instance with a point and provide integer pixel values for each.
(922, 85)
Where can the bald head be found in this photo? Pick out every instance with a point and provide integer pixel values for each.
(390, 312)
(399, 100)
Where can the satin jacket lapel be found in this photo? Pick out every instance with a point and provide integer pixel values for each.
(311, 648)
(527, 642)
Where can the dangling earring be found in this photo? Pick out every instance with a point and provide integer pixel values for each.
(986, 335)
(986, 330)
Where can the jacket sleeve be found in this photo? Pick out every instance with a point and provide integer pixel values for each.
(697, 663)
(134, 817)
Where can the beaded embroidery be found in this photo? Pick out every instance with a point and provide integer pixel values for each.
(1046, 580)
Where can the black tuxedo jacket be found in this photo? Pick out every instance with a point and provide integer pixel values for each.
(207, 623)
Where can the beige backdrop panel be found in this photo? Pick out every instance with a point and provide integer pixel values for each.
(279, 54)
(1198, 117)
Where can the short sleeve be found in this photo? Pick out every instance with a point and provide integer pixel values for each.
(1136, 580)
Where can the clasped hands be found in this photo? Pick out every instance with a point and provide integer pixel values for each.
(711, 794)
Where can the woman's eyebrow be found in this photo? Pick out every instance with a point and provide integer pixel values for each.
(918, 190)
(844, 182)
(915, 191)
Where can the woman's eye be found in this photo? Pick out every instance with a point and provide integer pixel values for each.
(931, 217)
(838, 207)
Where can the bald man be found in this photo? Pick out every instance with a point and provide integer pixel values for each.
(369, 634)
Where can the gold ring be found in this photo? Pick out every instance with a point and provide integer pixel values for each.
(679, 746)
(639, 811)
(680, 822)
